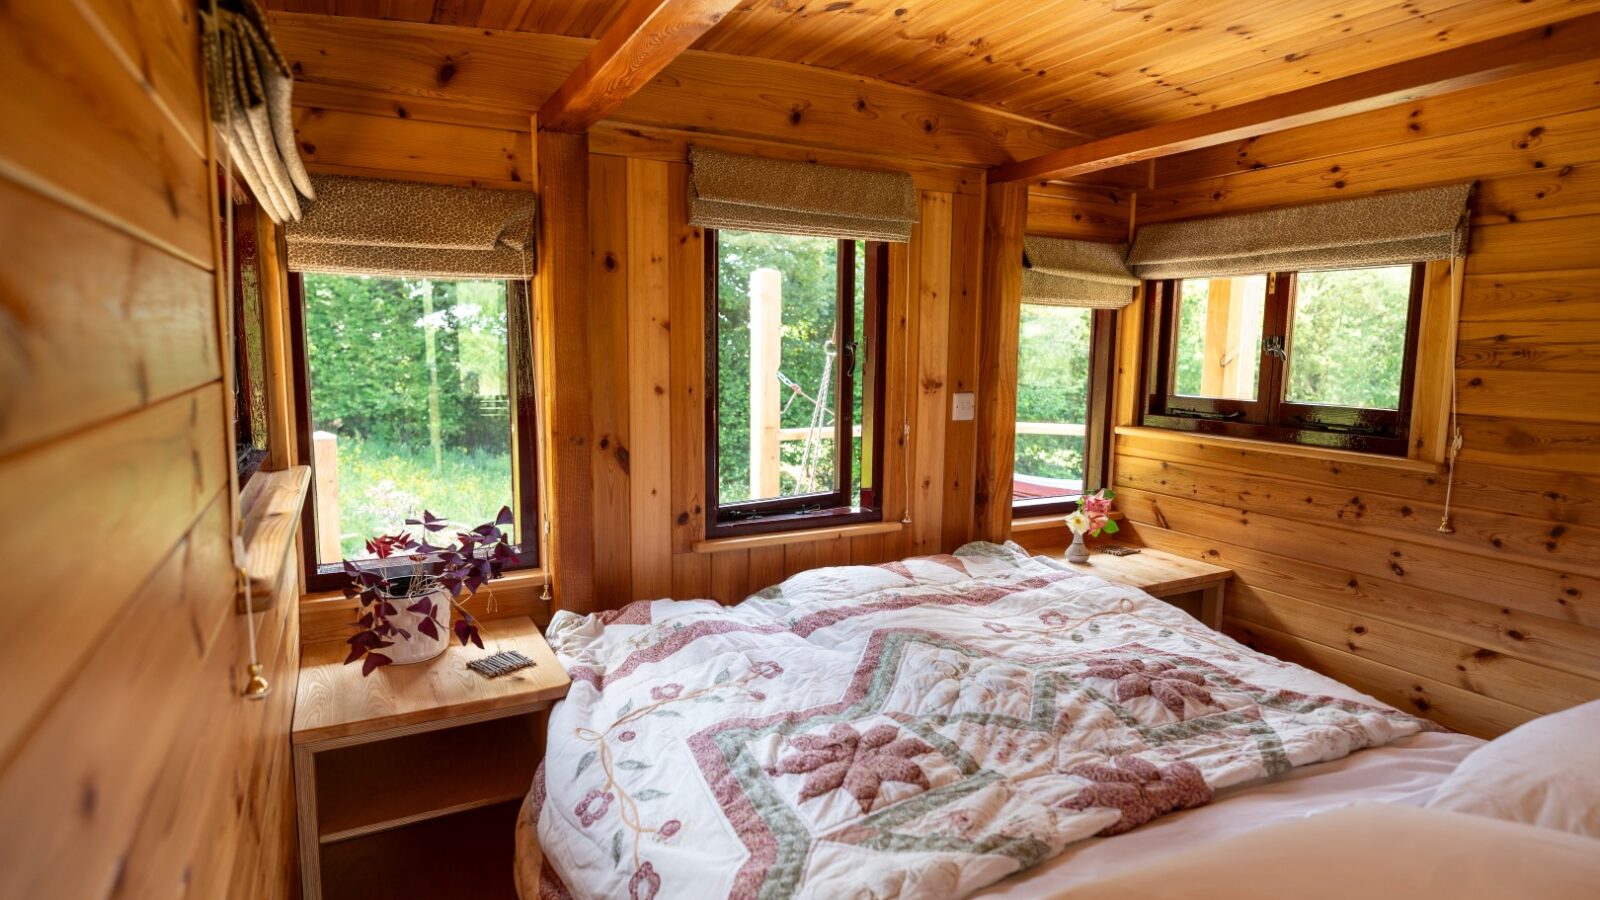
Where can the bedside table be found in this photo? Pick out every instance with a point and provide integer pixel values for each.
(1193, 586)
(407, 782)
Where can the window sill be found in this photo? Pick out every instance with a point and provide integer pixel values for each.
(1304, 451)
(269, 512)
(327, 616)
(779, 538)
(1045, 523)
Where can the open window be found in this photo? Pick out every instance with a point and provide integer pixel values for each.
(1063, 381)
(1324, 357)
(794, 369)
(248, 332)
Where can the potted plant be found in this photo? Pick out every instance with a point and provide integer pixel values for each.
(407, 595)
(1092, 516)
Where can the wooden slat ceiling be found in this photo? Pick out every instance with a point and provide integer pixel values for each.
(1095, 66)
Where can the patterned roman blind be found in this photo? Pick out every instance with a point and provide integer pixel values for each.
(1381, 230)
(368, 226)
(1061, 272)
(752, 193)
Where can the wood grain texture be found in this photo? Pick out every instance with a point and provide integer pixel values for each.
(610, 388)
(1006, 213)
(641, 40)
(335, 701)
(649, 371)
(562, 168)
(1487, 62)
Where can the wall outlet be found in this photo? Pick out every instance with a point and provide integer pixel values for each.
(961, 407)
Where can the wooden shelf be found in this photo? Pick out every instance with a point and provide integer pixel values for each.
(335, 701)
(367, 788)
(270, 515)
(464, 855)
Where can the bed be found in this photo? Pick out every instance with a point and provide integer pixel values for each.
(983, 722)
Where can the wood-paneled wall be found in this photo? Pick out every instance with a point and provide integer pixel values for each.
(129, 764)
(1340, 563)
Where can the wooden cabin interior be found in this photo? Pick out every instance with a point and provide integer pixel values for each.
(794, 352)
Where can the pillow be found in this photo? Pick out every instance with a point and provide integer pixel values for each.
(1545, 772)
(1369, 850)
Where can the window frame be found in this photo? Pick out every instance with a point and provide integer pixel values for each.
(828, 508)
(523, 394)
(1097, 431)
(251, 437)
(1271, 416)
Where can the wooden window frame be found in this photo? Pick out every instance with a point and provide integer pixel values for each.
(1097, 428)
(251, 436)
(1270, 416)
(825, 509)
(520, 368)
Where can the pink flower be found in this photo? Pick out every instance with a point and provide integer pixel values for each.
(669, 828)
(996, 627)
(766, 669)
(593, 807)
(666, 692)
(644, 883)
(1053, 617)
(1098, 521)
(757, 696)
(626, 736)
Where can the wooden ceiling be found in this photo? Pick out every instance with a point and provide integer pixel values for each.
(1098, 67)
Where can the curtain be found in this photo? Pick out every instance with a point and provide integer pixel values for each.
(1380, 230)
(751, 193)
(370, 226)
(249, 85)
(1061, 272)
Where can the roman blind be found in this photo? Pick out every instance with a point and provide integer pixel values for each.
(368, 226)
(752, 193)
(1380, 230)
(1061, 272)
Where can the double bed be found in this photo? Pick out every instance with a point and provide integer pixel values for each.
(980, 723)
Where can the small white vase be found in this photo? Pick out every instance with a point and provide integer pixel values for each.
(1078, 552)
(420, 648)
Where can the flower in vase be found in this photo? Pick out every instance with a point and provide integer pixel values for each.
(1078, 521)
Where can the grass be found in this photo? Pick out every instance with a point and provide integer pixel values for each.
(382, 485)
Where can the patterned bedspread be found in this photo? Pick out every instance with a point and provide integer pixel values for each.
(916, 729)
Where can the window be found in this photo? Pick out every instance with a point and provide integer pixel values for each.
(794, 327)
(415, 394)
(249, 334)
(1062, 354)
(1321, 358)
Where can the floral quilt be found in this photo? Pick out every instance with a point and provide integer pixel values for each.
(914, 729)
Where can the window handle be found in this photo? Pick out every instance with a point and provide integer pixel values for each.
(1341, 428)
(1274, 347)
(850, 356)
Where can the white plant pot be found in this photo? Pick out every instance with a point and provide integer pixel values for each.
(420, 648)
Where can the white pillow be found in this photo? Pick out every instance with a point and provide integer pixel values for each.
(1369, 851)
(1545, 772)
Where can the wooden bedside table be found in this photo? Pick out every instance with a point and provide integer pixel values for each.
(1193, 586)
(407, 782)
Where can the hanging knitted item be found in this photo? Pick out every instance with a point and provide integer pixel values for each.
(250, 87)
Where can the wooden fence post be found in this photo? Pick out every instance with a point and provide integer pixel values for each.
(766, 354)
(325, 463)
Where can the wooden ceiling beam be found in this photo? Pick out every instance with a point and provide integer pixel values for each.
(1470, 65)
(638, 44)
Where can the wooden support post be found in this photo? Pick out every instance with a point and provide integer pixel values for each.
(766, 354)
(1005, 218)
(325, 463)
(561, 173)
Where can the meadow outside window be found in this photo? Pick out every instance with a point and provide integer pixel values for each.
(414, 393)
(1316, 357)
(794, 375)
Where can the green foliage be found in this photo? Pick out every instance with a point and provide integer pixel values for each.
(381, 485)
(810, 285)
(1052, 387)
(1349, 338)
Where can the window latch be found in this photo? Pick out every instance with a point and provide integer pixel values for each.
(1342, 428)
(1274, 347)
(1205, 414)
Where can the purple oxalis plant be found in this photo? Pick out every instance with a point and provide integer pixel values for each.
(459, 567)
